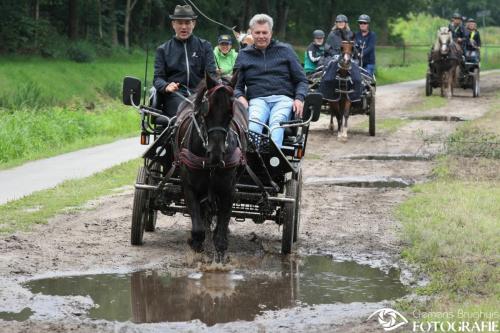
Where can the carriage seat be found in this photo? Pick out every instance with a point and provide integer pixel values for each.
(156, 101)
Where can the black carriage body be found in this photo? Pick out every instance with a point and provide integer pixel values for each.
(467, 74)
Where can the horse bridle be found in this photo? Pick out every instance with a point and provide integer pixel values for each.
(205, 101)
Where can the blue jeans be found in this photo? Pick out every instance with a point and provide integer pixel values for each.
(370, 68)
(270, 110)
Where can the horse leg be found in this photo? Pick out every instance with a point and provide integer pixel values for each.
(346, 111)
(332, 112)
(197, 220)
(443, 83)
(340, 120)
(224, 207)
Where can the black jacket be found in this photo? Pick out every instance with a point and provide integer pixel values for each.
(472, 36)
(274, 71)
(457, 31)
(334, 40)
(184, 62)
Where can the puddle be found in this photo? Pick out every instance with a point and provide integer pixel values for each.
(437, 118)
(390, 157)
(361, 181)
(16, 316)
(217, 297)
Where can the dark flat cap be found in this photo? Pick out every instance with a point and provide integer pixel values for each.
(183, 13)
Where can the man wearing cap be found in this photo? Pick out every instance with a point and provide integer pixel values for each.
(271, 81)
(340, 32)
(225, 55)
(314, 52)
(365, 42)
(456, 28)
(181, 62)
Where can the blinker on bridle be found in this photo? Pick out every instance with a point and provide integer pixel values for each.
(204, 111)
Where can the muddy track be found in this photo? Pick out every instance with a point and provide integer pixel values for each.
(346, 222)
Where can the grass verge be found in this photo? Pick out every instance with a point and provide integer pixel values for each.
(452, 225)
(37, 208)
(383, 126)
(29, 135)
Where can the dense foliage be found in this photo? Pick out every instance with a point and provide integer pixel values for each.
(81, 30)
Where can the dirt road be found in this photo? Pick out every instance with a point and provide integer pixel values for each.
(346, 222)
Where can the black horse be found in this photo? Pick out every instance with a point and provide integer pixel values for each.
(210, 147)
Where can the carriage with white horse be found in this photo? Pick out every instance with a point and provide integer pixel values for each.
(450, 67)
(204, 162)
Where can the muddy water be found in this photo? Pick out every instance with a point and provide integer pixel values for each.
(218, 297)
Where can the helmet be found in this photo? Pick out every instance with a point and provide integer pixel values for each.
(341, 18)
(471, 20)
(456, 16)
(364, 18)
(318, 34)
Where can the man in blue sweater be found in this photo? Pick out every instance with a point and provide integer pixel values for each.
(365, 42)
(273, 77)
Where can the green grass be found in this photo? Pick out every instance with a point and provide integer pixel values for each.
(452, 228)
(383, 126)
(29, 135)
(37, 82)
(38, 207)
(428, 103)
(48, 106)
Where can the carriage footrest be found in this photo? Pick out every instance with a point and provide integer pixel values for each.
(344, 91)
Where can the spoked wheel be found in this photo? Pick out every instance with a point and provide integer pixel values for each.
(428, 86)
(371, 125)
(152, 214)
(288, 217)
(139, 211)
(298, 198)
(475, 83)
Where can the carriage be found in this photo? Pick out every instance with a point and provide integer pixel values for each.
(467, 74)
(269, 188)
(366, 105)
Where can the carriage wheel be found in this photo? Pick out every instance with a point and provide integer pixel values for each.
(298, 198)
(428, 86)
(475, 83)
(288, 217)
(371, 125)
(139, 211)
(152, 214)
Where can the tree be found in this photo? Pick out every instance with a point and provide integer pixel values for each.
(128, 13)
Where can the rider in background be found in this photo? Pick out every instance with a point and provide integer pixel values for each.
(181, 62)
(314, 51)
(472, 38)
(224, 55)
(456, 28)
(365, 43)
(271, 81)
(340, 32)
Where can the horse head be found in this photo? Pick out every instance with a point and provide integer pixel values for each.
(214, 112)
(444, 39)
(345, 60)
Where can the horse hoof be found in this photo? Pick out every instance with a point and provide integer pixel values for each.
(220, 258)
(195, 246)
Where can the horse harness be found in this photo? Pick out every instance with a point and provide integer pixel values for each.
(187, 122)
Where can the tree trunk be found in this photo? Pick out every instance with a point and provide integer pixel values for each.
(334, 14)
(282, 9)
(112, 23)
(128, 13)
(245, 16)
(99, 18)
(37, 17)
(73, 20)
(264, 5)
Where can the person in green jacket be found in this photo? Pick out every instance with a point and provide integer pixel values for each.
(225, 55)
(314, 51)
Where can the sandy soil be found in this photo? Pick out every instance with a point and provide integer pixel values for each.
(345, 222)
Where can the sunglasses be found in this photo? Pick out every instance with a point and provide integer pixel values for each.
(363, 23)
